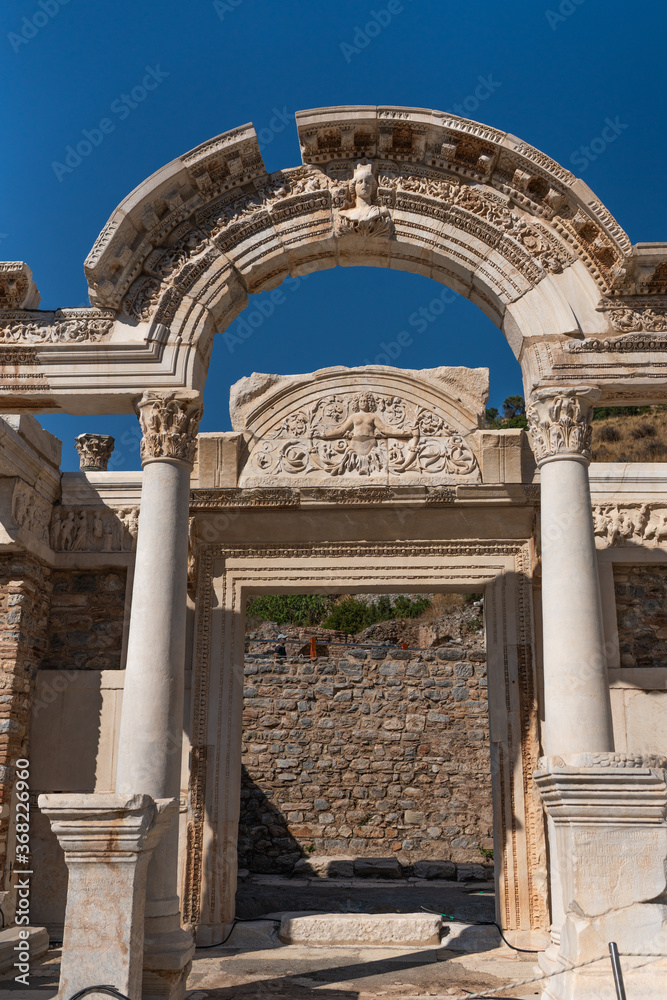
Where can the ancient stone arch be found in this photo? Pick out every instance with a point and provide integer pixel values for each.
(470, 206)
(585, 313)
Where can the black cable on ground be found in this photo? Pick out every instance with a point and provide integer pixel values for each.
(111, 990)
(237, 920)
(487, 923)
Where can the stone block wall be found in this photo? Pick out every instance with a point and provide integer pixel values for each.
(87, 618)
(375, 754)
(641, 607)
(25, 588)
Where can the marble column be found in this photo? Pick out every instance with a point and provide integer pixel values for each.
(576, 687)
(151, 730)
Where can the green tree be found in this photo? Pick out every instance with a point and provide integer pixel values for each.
(291, 609)
(350, 616)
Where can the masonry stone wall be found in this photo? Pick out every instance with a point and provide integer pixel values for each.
(641, 607)
(86, 621)
(379, 753)
(25, 587)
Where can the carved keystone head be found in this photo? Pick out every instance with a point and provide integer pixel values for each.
(94, 451)
(364, 185)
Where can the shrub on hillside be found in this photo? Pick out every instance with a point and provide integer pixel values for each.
(291, 609)
(352, 615)
(609, 433)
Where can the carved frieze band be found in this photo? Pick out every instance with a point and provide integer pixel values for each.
(630, 523)
(65, 326)
(97, 529)
(559, 422)
(169, 423)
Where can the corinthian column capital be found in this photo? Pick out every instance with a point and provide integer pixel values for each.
(169, 423)
(559, 422)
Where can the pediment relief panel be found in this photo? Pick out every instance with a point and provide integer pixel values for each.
(361, 426)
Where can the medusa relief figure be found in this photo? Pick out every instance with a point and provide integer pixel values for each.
(365, 434)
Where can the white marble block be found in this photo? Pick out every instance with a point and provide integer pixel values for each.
(108, 840)
(610, 816)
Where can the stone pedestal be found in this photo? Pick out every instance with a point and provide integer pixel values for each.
(151, 730)
(108, 841)
(609, 813)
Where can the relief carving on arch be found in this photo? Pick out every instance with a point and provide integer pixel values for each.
(362, 215)
(360, 427)
(364, 435)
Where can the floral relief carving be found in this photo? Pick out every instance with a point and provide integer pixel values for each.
(65, 326)
(559, 422)
(169, 423)
(363, 435)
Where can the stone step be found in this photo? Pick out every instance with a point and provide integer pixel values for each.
(374, 929)
(38, 944)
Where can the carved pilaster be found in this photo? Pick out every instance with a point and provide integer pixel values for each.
(169, 422)
(94, 451)
(559, 422)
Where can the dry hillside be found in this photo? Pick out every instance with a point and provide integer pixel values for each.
(637, 438)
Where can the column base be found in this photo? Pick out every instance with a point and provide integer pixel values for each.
(165, 984)
(610, 818)
(168, 953)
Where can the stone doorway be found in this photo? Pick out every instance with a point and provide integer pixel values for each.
(228, 575)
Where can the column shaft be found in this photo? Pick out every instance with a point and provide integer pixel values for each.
(151, 731)
(576, 688)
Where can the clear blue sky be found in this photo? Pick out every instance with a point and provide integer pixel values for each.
(558, 71)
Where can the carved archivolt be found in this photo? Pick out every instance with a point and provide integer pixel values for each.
(363, 435)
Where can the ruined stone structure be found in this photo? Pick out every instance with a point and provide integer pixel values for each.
(344, 480)
(368, 753)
